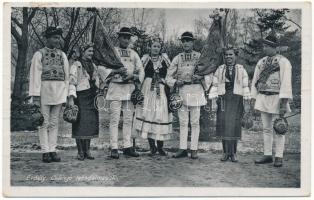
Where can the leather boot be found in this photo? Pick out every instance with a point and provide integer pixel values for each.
(265, 159)
(87, 153)
(80, 151)
(46, 158)
(114, 154)
(194, 154)
(130, 152)
(233, 155)
(181, 153)
(225, 156)
(160, 149)
(278, 162)
(54, 157)
(152, 146)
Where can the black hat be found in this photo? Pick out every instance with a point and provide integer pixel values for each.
(187, 35)
(271, 40)
(125, 31)
(51, 30)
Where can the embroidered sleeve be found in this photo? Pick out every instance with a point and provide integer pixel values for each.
(213, 92)
(285, 79)
(35, 75)
(103, 74)
(166, 59)
(73, 79)
(245, 81)
(145, 60)
(254, 91)
(139, 67)
(66, 69)
(172, 70)
(208, 80)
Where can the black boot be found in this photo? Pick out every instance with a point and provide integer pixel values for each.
(80, 151)
(114, 154)
(233, 154)
(225, 156)
(194, 154)
(46, 158)
(87, 153)
(152, 146)
(130, 152)
(160, 149)
(278, 162)
(181, 153)
(54, 157)
(265, 159)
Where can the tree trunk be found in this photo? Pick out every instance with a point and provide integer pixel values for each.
(21, 69)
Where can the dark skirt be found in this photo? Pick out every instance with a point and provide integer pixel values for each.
(87, 125)
(229, 115)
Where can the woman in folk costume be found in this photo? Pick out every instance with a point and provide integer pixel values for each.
(48, 87)
(152, 119)
(84, 80)
(231, 91)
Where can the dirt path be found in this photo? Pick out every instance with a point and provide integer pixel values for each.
(145, 171)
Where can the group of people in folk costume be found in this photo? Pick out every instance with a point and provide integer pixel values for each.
(53, 82)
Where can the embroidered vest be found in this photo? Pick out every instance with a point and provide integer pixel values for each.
(269, 78)
(186, 65)
(52, 65)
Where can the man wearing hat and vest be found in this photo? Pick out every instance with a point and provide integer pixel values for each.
(181, 75)
(119, 94)
(48, 87)
(271, 90)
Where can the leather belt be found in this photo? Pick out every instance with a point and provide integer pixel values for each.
(268, 93)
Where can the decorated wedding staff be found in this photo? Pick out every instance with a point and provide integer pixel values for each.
(230, 89)
(181, 75)
(152, 119)
(120, 89)
(271, 90)
(48, 87)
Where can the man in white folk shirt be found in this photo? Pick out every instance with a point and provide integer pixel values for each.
(181, 74)
(48, 87)
(119, 94)
(271, 90)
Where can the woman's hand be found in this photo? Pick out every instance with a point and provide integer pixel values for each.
(214, 106)
(196, 77)
(36, 100)
(71, 101)
(247, 106)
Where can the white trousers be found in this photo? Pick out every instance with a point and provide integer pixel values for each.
(268, 133)
(183, 113)
(115, 110)
(48, 132)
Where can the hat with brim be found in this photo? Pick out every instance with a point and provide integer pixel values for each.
(271, 40)
(50, 31)
(125, 31)
(187, 36)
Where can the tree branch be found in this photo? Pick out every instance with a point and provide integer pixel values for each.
(16, 22)
(15, 34)
(290, 20)
(34, 29)
(30, 17)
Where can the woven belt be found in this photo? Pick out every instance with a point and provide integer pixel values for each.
(192, 82)
(124, 82)
(268, 93)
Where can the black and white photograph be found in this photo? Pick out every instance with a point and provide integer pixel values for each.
(156, 99)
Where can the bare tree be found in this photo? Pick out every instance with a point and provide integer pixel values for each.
(20, 32)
